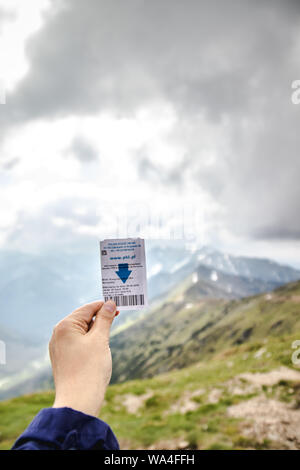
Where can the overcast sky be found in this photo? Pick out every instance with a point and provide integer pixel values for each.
(152, 109)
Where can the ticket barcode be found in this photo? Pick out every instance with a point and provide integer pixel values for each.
(127, 300)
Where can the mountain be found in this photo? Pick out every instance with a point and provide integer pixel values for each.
(244, 395)
(25, 365)
(252, 268)
(187, 327)
(219, 284)
(37, 291)
(171, 266)
(204, 368)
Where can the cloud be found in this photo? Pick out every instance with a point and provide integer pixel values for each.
(59, 222)
(10, 164)
(6, 14)
(225, 68)
(83, 150)
(155, 173)
(94, 55)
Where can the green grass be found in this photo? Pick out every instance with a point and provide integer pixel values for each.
(198, 348)
(16, 414)
(207, 427)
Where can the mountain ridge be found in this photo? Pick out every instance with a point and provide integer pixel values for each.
(174, 334)
(54, 285)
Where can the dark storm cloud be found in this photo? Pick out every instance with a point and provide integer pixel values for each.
(83, 150)
(96, 54)
(232, 62)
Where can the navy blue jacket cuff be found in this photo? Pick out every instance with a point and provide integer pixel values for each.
(66, 429)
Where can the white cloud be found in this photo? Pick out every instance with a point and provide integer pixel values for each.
(49, 191)
(113, 104)
(23, 19)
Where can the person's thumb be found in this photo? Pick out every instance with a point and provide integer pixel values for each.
(104, 319)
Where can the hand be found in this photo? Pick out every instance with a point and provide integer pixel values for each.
(81, 357)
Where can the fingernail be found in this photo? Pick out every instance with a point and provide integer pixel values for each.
(110, 306)
(117, 313)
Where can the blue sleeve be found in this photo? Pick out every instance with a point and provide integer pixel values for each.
(66, 429)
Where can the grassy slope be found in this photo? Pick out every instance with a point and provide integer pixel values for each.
(182, 330)
(226, 352)
(155, 422)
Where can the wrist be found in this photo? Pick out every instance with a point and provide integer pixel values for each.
(85, 408)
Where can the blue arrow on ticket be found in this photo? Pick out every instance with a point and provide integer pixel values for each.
(123, 272)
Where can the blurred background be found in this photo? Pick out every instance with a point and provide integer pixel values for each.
(173, 121)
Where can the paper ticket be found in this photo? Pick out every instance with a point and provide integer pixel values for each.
(123, 268)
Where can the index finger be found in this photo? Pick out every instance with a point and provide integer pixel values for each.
(86, 312)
